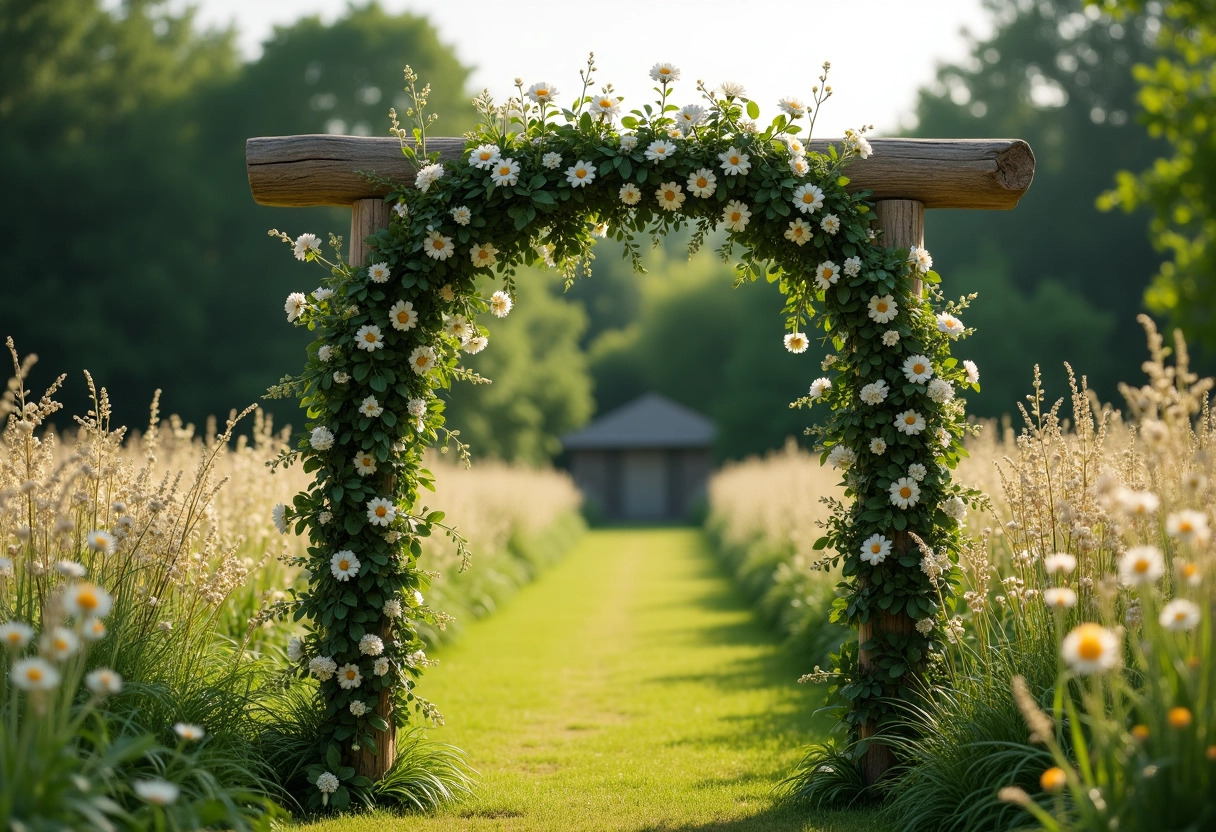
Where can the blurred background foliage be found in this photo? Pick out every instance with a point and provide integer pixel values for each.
(135, 249)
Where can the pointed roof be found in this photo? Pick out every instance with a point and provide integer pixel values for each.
(649, 421)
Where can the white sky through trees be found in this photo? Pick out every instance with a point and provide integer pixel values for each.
(881, 51)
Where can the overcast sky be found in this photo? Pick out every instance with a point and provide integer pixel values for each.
(881, 51)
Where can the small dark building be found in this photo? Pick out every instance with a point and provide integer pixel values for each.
(648, 460)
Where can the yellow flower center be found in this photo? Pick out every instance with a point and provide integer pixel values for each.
(918, 368)
(61, 643)
(1141, 566)
(734, 217)
(486, 156)
(14, 638)
(702, 182)
(905, 492)
(541, 93)
(403, 317)
(370, 337)
(664, 71)
(1179, 717)
(367, 460)
(437, 243)
(1185, 526)
(98, 627)
(909, 420)
(343, 564)
(876, 548)
(580, 173)
(606, 103)
(1090, 646)
(421, 360)
(505, 170)
(669, 195)
(881, 307)
(34, 674)
(734, 160)
(1190, 570)
(87, 600)
(381, 511)
(483, 254)
(350, 674)
(808, 199)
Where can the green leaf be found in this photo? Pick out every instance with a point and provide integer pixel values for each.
(753, 110)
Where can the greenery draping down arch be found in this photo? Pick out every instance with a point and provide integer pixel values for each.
(538, 183)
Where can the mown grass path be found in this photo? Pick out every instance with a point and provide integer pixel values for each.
(630, 688)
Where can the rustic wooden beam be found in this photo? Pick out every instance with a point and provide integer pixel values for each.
(938, 173)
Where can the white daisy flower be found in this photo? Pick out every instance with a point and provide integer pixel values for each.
(369, 338)
(371, 645)
(1091, 648)
(904, 492)
(630, 194)
(392, 608)
(950, 325)
(100, 541)
(500, 304)
(792, 107)
(378, 273)
(735, 162)
(731, 90)
(349, 676)
(1060, 562)
(156, 792)
(917, 472)
(321, 438)
(670, 196)
(921, 259)
(475, 344)
(875, 392)
(380, 512)
(841, 457)
(484, 156)
(551, 160)
(33, 674)
(483, 255)
(380, 668)
(422, 359)
(660, 149)
(428, 176)
(365, 464)
(93, 629)
(402, 315)
(799, 166)
(735, 215)
(580, 174)
(702, 183)
(890, 338)
(910, 422)
(402, 210)
(830, 223)
(1141, 565)
(1189, 526)
(344, 565)
(542, 93)
(882, 309)
(305, 244)
(798, 232)
(826, 273)
(103, 682)
(85, 600)
(437, 246)
(505, 172)
(819, 386)
(629, 142)
(59, 643)
(794, 146)
(370, 407)
(1060, 598)
(325, 353)
(973, 372)
(188, 732)
(796, 342)
(875, 549)
(940, 390)
(461, 215)
(606, 107)
(689, 117)
(808, 198)
(857, 143)
(295, 305)
(852, 266)
(1137, 503)
(323, 667)
(878, 446)
(1180, 615)
(15, 635)
(295, 649)
(664, 73)
(71, 569)
(917, 369)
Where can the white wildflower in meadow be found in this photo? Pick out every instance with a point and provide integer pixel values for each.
(484, 156)
(731, 90)
(826, 273)
(306, 243)
(392, 608)
(416, 408)
(422, 360)
(890, 338)
(878, 446)
(344, 565)
(103, 682)
(365, 464)
(475, 344)
(973, 372)
(500, 304)
(188, 732)
(841, 457)
(323, 668)
(437, 246)
(735, 215)
(371, 645)
(1187, 572)
(1141, 565)
(87, 600)
(955, 509)
(378, 273)
(795, 147)
(925, 626)
(461, 215)
(322, 438)
(542, 92)
(606, 107)
(1060, 597)
(664, 73)
(59, 643)
(629, 142)
(904, 492)
(580, 174)
(380, 668)
(156, 792)
(875, 392)
(660, 149)
(799, 166)
(875, 549)
(920, 259)
(415, 598)
(33, 674)
(670, 196)
(792, 107)
(551, 160)
(600, 229)
(100, 541)
(428, 176)
(93, 629)
(483, 255)
(917, 472)
(401, 210)
(830, 223)
(294, 306)
(71, 569)
(882, 309)
(1189, 526)
(940, 390)
(369, 338)
(295, 649)
(808, 198)
(820, 386)
(1091, 648)
(917, 369)
(505, 172)
(1137, 503)
(370, 407)
(909, 422)
(1180, 615)
(15, 635)
(735, 162)
(796, 342)
(799, 233)
(402, 315)
(689, 117)
(380, 512)
(1059, 563)
(702, 183)
(327, 783)
(630, 194)
(950, 325)
(322, 294)
(349, 676)
(857, 143)
(325, 353)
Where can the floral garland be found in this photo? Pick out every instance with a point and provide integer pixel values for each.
(538, 183)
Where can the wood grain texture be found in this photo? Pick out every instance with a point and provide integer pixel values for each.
(938, 173)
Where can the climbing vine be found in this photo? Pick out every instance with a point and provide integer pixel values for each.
(537, 183)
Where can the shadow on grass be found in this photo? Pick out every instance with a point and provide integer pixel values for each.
(785, 818)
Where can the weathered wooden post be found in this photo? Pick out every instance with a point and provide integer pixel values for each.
(903, 177)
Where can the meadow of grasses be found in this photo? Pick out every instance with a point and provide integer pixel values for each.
(1077, 689)
(143, 681)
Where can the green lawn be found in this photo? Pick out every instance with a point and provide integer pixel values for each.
(630, 688)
